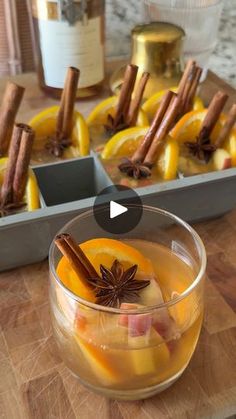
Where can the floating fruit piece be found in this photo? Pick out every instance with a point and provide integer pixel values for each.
(230, 146)
(190, 167)
(105, 251)
(31, 197)
(100, 113)
(167, 163)
(148, 352)
(151, 105)
(44, 125)
(124, 143)
(188, 127)
(221, 159)
(106, 371)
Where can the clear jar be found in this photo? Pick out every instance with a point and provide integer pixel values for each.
(96, 342)
(69, 33)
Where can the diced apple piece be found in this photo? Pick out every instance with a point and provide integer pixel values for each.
(140, 325)
(144, 359)
(98, 362)
(152, 294)
(221, 159)
(123, 318)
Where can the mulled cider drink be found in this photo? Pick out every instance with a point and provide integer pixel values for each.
(127, 311)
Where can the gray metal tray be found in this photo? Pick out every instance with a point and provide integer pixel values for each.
(70, 187)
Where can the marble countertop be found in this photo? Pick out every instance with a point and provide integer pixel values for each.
(123, 15)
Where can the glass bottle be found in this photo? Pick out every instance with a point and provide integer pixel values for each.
(69, 33)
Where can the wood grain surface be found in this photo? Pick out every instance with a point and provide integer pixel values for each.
(35, 384)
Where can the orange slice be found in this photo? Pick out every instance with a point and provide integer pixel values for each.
(188, 127)
(167, 163)
(124, 143)
(44, 125)
(99, 114)
(151, 105)
(31, 197)
(105, 251)
(102, 251)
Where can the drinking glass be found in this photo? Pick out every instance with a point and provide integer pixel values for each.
(99, 343)
(199, 19)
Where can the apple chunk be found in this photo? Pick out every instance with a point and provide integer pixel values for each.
(221, 159)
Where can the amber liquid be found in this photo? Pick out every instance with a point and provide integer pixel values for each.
(103, 354)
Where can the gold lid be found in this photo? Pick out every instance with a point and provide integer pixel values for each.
(156, 49)
(158, 32)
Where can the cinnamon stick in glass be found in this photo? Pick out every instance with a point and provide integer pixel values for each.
(143, 147)
(214, 110)
(7, 185)
(22, 164)
(136, 102)
(66, 110)
(125, 94)
(227, 127)
(10, 104)
(163, 130)
(63, 242)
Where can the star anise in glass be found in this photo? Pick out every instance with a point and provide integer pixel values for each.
(135, 169)
(56, 145)
(9, 209)
(111, 128)
(201, 148)
(117, 285)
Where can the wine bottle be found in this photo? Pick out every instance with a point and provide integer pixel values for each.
(69, 33)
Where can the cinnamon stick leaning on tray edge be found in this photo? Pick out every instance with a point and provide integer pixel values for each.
(64, 123)
(16, 174)
(171, 109)
(10, 104)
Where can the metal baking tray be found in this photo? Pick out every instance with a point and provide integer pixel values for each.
(70, 187)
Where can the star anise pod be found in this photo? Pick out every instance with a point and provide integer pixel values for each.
(201, 148)
(111, 128)
(9, 209)
(117, 285)
(56, 145)
(135, 169)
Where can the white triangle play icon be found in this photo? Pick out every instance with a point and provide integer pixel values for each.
(116, 209)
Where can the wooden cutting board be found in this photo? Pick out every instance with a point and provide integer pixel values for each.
(34, 382)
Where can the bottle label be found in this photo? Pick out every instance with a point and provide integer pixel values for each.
(64, 43)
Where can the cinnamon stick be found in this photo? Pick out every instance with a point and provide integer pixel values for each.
(9, 108)
(125, 94)
(143, 147)
(7, 185)
(76, 257)
(214, 110)
(188, 103)
(66, 110)
(22, 164)
(187, 71)
(227, 127)
(136, 102)
(163, 130)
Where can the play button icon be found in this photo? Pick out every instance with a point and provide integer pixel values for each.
(117, 209)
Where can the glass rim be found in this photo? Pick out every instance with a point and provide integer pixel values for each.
(165, 304)
(206, 6)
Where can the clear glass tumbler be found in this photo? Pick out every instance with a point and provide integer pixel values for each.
(199, 19)
(133, 354)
